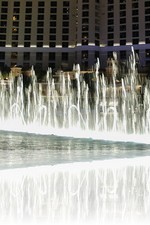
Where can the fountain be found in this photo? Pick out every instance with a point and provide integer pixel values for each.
(114, 191)
(94, 109)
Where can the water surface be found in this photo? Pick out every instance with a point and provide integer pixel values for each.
(24, 150)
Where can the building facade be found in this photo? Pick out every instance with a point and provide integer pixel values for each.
(60, 33)
(125, 23)
(49, 33)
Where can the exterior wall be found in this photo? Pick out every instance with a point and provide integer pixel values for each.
(125, 23)
(60, 33)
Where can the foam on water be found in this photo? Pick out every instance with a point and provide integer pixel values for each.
(74, 132)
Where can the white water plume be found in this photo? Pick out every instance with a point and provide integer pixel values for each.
(84, 103)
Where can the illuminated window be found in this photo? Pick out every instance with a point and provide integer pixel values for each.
(15, 30)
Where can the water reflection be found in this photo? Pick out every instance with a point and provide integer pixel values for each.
(22, 150)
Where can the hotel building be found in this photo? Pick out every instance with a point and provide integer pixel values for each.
(60, 33)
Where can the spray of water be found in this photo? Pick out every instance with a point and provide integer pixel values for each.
(76, 107)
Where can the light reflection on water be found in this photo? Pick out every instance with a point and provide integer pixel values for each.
(23, 150)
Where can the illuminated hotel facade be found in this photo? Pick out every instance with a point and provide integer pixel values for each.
(59, 33)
